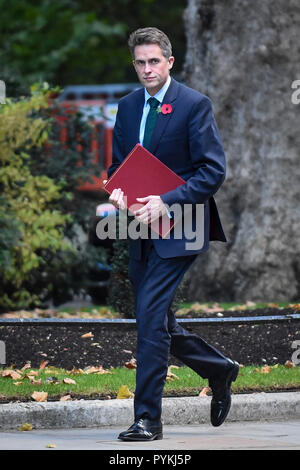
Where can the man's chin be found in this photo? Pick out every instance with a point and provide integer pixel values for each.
(152, 87)
(150, 83)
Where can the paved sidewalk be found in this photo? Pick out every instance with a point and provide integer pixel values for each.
(276, 435)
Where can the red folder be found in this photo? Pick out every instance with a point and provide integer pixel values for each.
(142, 174)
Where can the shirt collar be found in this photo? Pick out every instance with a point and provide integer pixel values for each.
(161, 93)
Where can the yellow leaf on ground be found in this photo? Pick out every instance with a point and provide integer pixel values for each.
(50, 446)
(124, 392)
(170, 375)
(26, 427)
(40, 396)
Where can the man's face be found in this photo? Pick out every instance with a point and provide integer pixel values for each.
(152, 67)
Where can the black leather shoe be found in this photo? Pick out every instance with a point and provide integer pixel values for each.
(143, 430)
(221, 400)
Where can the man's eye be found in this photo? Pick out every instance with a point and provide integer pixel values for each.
(154, 61)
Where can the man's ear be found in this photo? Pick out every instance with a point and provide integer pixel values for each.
(171, 61)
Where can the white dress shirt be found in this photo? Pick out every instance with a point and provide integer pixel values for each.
(159, 96)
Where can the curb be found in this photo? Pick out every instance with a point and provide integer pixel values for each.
(117, 412)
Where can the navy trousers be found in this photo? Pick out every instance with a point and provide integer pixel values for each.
(155, 281)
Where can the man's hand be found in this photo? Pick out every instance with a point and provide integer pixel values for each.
(150, 211)
(117, 198)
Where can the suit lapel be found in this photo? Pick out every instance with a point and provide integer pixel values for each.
(135, 116)
(163, 119)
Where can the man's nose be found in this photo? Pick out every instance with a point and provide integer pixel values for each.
(147, 67)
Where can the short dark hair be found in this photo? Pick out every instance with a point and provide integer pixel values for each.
(150, 36)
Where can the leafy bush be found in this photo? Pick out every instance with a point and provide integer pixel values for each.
(43, 254)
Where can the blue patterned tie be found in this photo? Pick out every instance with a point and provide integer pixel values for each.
(151, 121)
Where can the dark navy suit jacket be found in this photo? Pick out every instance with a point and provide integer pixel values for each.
(187, 140)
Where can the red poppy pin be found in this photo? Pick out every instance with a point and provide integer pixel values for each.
(165, 109)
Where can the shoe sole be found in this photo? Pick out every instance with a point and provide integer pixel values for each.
(154, 438)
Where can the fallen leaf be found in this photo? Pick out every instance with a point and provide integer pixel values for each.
(87, 335)
(265, 370)
(50, 446)
(131, 364)
(215, 308)
(33, 381)
(27, 366)
(76, 371)
(124, 392)
(204, 392)
(69, 381)
(11, 373)
(197, 307)
(43, 364)
(182, 311)
(289, 364)
(65, 398)
(17, 383)
(237, 307)
(32, 373)
(26, 427)
(95, 370)
(40, 396)
(295, 306)
(170, 375)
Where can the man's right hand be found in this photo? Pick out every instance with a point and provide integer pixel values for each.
(117, 198)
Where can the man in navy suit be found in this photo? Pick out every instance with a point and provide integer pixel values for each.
(184, 137)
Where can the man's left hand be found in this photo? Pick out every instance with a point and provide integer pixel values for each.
(150, 211)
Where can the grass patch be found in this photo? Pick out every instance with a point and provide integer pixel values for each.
(93, 385)
(108, 312)
(239, 305)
